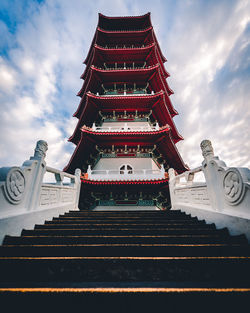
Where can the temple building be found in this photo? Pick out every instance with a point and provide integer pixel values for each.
(125, 136)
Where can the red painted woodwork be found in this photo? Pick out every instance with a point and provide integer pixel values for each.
(129, 40)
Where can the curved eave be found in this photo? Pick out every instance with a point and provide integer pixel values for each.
(123, 182)
(155, 39)
(90, 48)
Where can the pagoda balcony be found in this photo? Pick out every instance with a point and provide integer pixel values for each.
(115, 93)
(125, 128)
(125, 174)
(124, 66)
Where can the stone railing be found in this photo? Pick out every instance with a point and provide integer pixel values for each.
(224, 197)
(129, 175)
(26, 200)
(126, 128)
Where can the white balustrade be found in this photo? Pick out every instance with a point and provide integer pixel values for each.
(125, 128)
(124, 174)
(223, 198)
(124, 94)
(25, 200)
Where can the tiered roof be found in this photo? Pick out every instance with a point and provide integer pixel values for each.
(125, 52)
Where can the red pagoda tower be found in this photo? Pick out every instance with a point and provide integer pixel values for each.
(125, 137)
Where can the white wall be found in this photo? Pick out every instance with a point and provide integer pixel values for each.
(121, 124)
(116, 163)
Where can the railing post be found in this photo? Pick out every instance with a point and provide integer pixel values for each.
(89, 171)
(172, 183)
(213, 169)
(38, 169)
(162, 170)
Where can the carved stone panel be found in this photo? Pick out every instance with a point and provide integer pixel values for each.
(15, 185)
(234, 188)
(192, 196)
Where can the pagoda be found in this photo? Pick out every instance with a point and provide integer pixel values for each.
(125, 136)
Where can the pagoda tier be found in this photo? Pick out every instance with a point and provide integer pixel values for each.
(124, 22)
(139, 193)
(153, 106)
(134, 38)
(130, 57)
(150, 75)
(140, 35)
(161, 139)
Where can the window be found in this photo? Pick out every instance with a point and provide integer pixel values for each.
(126, 169)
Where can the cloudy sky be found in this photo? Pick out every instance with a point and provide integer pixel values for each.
(43, 44)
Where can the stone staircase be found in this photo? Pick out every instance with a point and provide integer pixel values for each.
(122, 260)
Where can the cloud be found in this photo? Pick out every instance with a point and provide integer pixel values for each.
(45, 42)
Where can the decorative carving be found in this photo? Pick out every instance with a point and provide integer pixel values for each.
(234, 187)
(40, 150)
(207, 148)
(15, 185)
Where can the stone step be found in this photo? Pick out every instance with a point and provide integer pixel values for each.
(53, 225)
(127, 219)
(181, 239)
(122, 231)
(127, 213)
(230, 271)
(126, 250)
(106, 299)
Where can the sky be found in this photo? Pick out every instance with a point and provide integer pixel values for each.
(43, 45)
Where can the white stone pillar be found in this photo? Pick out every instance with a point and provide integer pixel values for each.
(38, 169)
(213, 169)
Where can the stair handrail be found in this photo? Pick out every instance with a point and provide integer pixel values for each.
(223, 198)
(25, 199)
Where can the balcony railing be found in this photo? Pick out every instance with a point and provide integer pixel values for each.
(121, 46)
(114, 93)
(126, 128)
(124, 66)
(127, 175)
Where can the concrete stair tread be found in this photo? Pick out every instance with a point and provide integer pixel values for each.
(128, 248)
(181, 239)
